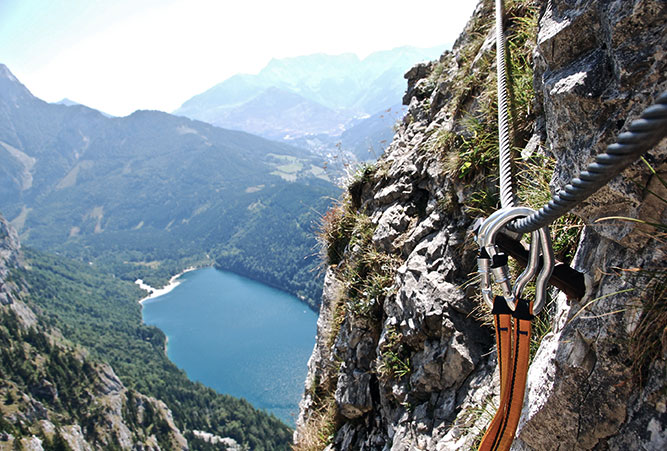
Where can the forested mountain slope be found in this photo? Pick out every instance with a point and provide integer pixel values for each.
(61, 324)
(55, 395)
(150, 193)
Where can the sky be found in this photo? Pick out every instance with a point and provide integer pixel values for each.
(122, 55)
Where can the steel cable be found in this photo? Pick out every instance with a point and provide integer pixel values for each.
(507, 198)
(643, 134)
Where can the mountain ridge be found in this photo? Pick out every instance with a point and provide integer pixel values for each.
(172, 176)
(348, 87)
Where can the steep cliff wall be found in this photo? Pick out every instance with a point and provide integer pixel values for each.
(54, 395)
(404, 356)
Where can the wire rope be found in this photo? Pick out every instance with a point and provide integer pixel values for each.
(507, 198)
(642, 135)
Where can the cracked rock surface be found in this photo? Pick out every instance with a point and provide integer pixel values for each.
(597, 65)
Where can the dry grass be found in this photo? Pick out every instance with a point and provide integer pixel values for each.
(474, 421)
(335, 231)
(338, 313)
(320, 428)
(533, 176)
(648, 340)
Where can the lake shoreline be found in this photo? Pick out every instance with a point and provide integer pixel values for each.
(256, 278)
(157, 292)
(239, 337)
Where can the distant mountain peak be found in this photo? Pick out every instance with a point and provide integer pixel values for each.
(11, 87)
(314, 56)
(287, 92)
(67, 102)
(6, 73)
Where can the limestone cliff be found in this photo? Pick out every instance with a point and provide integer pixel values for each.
(404, 358)
(55, 396)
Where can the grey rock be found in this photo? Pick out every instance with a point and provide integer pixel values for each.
(45, 391)
(74, 437)
(392, 193)
(31, 443)
(561, 38)
(108, 382)
(353, 394)
(417, 84)
(596, 66)
(391, 225)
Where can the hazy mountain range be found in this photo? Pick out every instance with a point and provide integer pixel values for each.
(137, 191)
(313, 100)
(145, 192)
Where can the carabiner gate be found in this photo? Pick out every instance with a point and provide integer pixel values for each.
(493, 262)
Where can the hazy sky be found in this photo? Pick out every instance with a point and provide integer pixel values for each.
(123, 55)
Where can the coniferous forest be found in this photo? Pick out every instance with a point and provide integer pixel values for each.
(102, 314)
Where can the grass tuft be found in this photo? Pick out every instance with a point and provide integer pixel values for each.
(320, 428)
(648, 340)
(469, 154)
(368, 273)
(533, 176)
(335, 231)
(393, 361)
(474, 420)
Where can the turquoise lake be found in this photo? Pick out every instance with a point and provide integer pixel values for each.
(238, 336)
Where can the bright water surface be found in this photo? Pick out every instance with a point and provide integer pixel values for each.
(238, 336)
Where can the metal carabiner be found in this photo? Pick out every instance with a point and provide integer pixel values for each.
(484, 260)
(483, 268)
(540, 245)
(547, 268)
(493, 262)
(498, 267)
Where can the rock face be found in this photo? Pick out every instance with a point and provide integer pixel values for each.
(416, 369)
(9, 247)
(113, 416)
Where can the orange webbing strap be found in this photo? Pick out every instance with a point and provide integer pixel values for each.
(517, 384)
(513, 361)
(502, 319)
